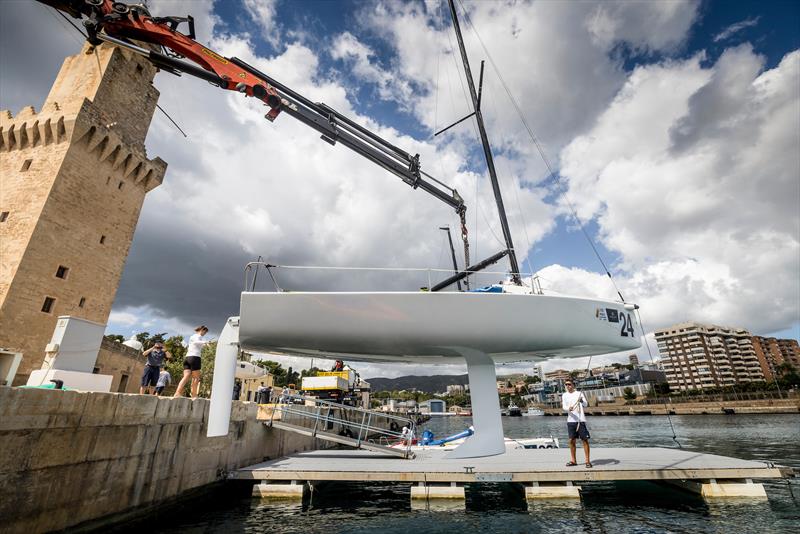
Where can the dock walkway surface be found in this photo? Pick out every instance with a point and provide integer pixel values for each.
(517, 465)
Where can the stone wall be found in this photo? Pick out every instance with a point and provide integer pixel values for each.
(120, 361)
(68, 457)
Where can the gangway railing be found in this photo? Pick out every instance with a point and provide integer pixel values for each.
(345, 425)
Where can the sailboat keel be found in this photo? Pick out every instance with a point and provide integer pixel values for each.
(488, 439)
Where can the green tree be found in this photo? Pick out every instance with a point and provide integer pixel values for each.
(314, 371)
(661, 388)
(292, 377)
(275, 369)
(789, 377)
(147, 340)
(114, 337)
(174, 366)
(174, 345)
(628, 394)
(208, 356)
(532, 379)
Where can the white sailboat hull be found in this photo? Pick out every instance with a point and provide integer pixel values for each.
(423, 327)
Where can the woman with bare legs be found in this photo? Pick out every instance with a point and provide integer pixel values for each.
(191, 365)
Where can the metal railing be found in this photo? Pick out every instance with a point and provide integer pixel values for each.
(357, 427)
(254, 266)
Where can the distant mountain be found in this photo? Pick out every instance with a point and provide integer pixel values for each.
(428, 384)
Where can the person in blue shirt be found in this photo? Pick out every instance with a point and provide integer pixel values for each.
(155, 361)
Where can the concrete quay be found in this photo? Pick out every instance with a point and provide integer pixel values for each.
(541, 472)
(70, 458)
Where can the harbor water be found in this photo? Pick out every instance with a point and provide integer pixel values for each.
(605, 507)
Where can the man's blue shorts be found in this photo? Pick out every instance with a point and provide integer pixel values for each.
(575, 432)
(150, 376)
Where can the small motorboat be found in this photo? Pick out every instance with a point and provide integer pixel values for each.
(428, 442)
(533, 411)
(514, 410)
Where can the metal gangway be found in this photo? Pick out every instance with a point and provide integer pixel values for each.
(345, 425)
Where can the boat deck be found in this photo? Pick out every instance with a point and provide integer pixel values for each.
(517, 465)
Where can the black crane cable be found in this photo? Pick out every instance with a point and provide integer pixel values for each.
(158, 106)
(540, 149)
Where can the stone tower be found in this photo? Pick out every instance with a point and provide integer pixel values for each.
(72, 182)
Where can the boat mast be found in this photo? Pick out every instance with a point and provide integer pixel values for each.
(487, 150)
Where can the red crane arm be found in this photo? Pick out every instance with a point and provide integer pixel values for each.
(123, 21)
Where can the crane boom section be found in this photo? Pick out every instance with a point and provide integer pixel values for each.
(118, 23)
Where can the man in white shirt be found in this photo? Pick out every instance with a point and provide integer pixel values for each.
(573, 402)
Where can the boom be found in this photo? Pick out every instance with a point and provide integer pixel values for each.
(119, 23)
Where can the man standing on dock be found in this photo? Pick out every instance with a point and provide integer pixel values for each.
(573, 402)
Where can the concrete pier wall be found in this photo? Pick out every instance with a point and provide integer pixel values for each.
(68, 457)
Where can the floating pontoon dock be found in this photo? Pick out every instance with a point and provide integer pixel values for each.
(542, 472)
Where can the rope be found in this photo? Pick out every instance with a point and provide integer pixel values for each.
(478, 206)
(650, 353)
(516, 186)
(158, 106)
(540, 149)
(72, 24)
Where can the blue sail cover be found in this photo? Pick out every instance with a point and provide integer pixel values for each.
(488, 289)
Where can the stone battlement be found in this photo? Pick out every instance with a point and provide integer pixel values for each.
(31, 130)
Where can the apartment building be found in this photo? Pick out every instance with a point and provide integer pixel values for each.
(558, 374)
(698, 356)
(772, 352)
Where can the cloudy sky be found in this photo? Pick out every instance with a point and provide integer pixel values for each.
(673, 127)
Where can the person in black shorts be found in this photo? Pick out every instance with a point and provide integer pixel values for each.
(573, 402)
(191, 365)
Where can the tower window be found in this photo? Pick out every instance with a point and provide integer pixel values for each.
(3, 216)
(62, 271)
(26, 165)
(108, 180)
(47, 307)
(119, 186)
(102, 240)
(139, 67)
(82, 302)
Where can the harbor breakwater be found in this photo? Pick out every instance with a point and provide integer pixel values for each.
(764, 406)
(69, 457)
